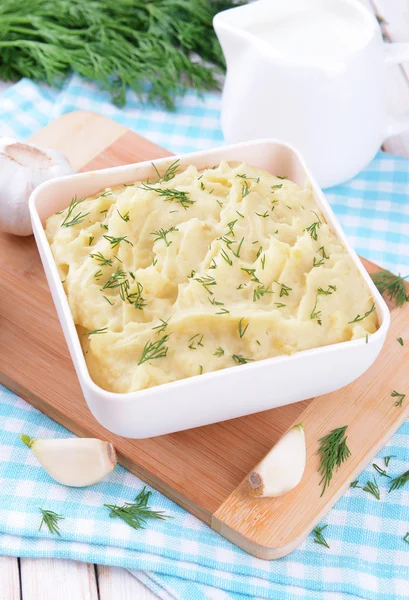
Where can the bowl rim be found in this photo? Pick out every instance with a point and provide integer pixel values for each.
(71, 333)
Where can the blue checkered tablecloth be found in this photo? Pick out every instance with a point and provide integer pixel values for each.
(182, 558)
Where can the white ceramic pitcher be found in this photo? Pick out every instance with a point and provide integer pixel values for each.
(311, 73)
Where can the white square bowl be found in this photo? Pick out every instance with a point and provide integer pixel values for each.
(231, 392)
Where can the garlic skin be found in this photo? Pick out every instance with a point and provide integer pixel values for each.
(75, 462)
(282, 468)
(22, 168)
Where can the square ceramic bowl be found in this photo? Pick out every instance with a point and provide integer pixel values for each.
(232, 392)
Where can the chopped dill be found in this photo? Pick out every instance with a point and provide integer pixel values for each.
(154, 350)
(161, 234)
(400, 397)
(284, 289)
(313, 228)
(359, 318)
(393, 285)
(372, 487)
(124, 217)
(115, 241)
(319, 538)
(240, 360)
(100, 258)
(333, 451)
(162, 327)
(240, 327)
(70, 220)
(219, 352)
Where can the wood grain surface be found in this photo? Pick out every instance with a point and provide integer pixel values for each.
(201, 469)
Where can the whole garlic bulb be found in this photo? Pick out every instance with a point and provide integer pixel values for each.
(22, 168)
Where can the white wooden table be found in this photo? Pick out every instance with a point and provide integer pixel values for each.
(46, 579)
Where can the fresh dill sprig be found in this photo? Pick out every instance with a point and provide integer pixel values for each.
(393, 285)
(108, 300)
(260, 291)
(316, 314)
(279, 177)
(136, 513)
(194, 343)
(240, 215)
(354, 484)
(245, 190)
(169, 173)
(279, 304)
(206, 281)
(118, 280)
(333, 451)
(230, 227)
(154, 350)
(252, 273)
(399, 482)
(359, 318)
(319, 538)
(226, 257)
(284, 291)
(90, 240)
(240, 327)
(386, 459)
(170, 195)
(219, 352)
(103, 226)
(264, 215)
(406, 538)
(400, 341)
(98, 274)
(313, 228)
(70, 220)
(124, 217)
(162, 233)
(372, 487)
(244, 176)
(240, 360)
(100, 258)
(96, 331)
(381, 472)
(278, 186)
(237, 252)
(400, 397)
(222, 311)
(162, 327)
(115, 241)
(50, 519)
(135, 298)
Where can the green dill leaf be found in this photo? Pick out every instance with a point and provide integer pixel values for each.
(162, 234)
(406, 538)
(170, 195)
(219, 352)
(195, 343)
(160, 328)
(284, 289)
(313, 228)
(100, 258)
(50, 519)
(115, 241)
(108, 300)
(135, 514)
(264, 215)
(333, 452)
(226, 257)
(245, 190)
(355, 484)
(359, 318)
(91, 239)
(154, 350)
(206, 282)
(222, 311)
(400, 397)
(400, 341)
(240, 360)
(260, 291)
(387, 459)
(372, 488)
(96, 331)
(240, 327)
(124, 217)
(399, 482)
(77, 219)
(319, 538)
(393, 285)
(381, 472)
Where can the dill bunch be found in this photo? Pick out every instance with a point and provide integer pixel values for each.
(147, 46)
(393, 285)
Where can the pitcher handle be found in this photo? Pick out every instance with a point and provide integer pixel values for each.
(395, 54)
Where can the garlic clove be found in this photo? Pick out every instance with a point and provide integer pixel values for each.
(282, 468)
(76, 462)
(22, 168)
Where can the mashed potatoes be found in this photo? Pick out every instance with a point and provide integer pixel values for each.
(201, 271)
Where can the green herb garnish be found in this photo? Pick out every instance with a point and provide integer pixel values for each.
(355, 484)
(96, 331)
(154, 350)
(251, 272)
(333, 451)
(372, 488)
(240, 327)
(400, 397)
(240, 360)
(381, 472)
(162, 233)
(108, 300)
(319, 538)
(359, 318)
(313, 228)
(206, 282)
(136, 513)
(162, 327)
(264, 215)
(70, 220)
(115, 241)
(387, 459)
(124, 217)
(400, 341)
(170, 195)
(100, 258)
(260, 291)
(245, 190)
(399, 482)
(219, 352)
(392, 285)
(91, 238)
(284, 291)
(237, 252)
(406, 538)
(226, 257)
(50, 519)
(135, 298)
(194, 341)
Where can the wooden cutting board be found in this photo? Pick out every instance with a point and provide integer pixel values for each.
(200, 469)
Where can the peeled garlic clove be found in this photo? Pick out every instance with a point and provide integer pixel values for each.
(22, 168)
(282, 468)
(76, 462)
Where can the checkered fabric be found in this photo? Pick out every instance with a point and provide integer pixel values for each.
(181, 558)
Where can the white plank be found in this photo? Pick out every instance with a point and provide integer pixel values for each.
(49, 578)
(396, 15)
(118, 583)
(9, 578)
